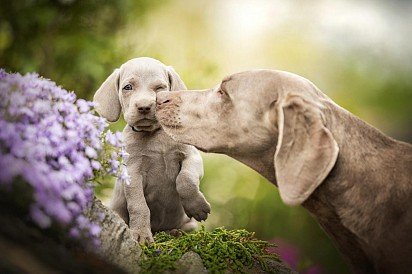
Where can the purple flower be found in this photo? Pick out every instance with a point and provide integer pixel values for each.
(114, 163)
(91, 153)
(124, 177)
(96, 165)
(82, 105)
(114, 139)
(40, 217)
(7, 174)
(95, 230)
(123, 154)
(101, 216)
(56, 145)
(51, 141)
(74, 233)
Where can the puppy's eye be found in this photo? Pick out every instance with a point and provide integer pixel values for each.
(128, 87)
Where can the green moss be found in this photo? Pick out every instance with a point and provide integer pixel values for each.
(220, 250)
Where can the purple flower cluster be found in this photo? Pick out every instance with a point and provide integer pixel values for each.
(111, 159)
(54, 144)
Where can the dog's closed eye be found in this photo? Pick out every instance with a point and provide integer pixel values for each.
(160, 88)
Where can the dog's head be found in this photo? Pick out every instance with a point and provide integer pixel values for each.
(251, 113)
(132, 88)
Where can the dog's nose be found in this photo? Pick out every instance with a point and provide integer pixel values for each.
(144, 109)
(163, 98)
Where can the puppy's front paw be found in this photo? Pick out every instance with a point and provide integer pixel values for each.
(142, 235)
(196, 207)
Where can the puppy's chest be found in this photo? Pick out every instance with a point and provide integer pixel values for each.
(158, 157)
(158, 164)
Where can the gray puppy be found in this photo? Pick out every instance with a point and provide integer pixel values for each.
(164, 190)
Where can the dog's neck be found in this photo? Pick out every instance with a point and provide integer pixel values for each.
(354, 201)
(260, 162)
(359, 200)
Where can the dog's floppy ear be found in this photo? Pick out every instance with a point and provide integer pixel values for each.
(107, 98)
(174, 80)
(306, 150)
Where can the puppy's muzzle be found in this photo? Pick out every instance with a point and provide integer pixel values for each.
(145, 108)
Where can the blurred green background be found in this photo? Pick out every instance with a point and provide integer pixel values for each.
(359, 53)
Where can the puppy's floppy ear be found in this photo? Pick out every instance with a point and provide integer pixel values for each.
(175, 82)
(306, 150)
(107, 98)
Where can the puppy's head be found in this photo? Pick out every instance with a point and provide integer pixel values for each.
(251, 113)
(132, 88)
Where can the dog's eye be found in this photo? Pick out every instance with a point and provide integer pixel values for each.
(221, 92)
(128, 87)
(223, 95)
(159, 88)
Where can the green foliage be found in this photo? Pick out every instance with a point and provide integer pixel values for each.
(220, 250)
(240, 197)
(72, 42)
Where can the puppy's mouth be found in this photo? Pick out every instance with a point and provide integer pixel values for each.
(144, 125)
(145, 122)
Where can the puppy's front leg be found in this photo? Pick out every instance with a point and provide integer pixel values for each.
(187, 185)
(118, 203)
(139, 213)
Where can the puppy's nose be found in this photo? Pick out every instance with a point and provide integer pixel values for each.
(163, 98)
(144, 109)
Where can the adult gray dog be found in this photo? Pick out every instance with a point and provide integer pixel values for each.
(355, 180)
(164, 190)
